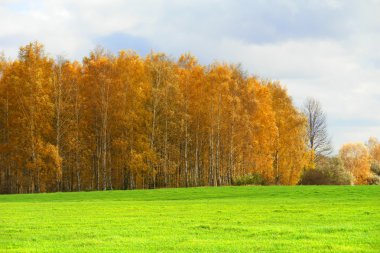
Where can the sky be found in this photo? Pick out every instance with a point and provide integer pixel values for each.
(326, 49)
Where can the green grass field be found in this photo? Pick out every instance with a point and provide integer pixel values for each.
(224, 219)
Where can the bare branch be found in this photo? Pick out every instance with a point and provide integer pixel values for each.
(318, 139)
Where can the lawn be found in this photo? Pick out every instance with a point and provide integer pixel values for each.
(223, 219)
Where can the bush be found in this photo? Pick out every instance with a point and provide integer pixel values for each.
(373, 179)
(328, 172)
(249, 179)
(375, 168)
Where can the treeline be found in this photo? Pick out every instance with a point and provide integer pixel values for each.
(126, 122)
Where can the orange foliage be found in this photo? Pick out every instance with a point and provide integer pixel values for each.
(123, 122)
(356, 159)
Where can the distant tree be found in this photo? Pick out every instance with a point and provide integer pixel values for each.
(356, 159)
(317, 136)
(373, 146)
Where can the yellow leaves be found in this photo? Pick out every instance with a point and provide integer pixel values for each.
(356, 159)
(138, 162)
(309, 158)
(187, 61)
(52, 161)
(290, 144)
(265, 132)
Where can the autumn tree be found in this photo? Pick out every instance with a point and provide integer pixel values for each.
(264, 132)
(290, 149)
(98, 77)
(356, 159)
(194, 115)
(129, 117)
(165, 128)
(70, 125)
(29, 101)
(373, 146)
(6, 178)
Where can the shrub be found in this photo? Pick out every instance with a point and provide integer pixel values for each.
(328, 172)
(249, 179)
(374, 179)
(375, 168)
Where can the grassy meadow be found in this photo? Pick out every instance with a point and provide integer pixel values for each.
(223, 219)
